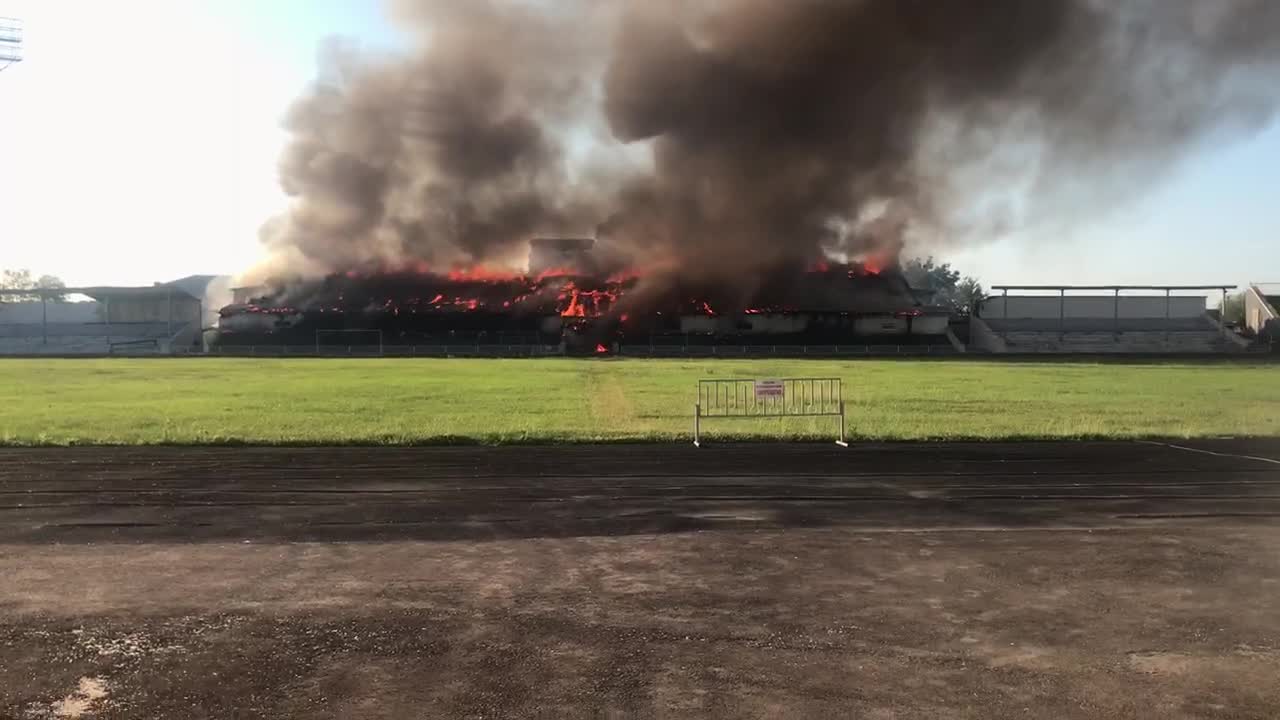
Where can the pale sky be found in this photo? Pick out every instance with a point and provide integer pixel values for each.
(138, 143)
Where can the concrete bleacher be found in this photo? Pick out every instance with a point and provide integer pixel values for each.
(87, 338)
(1191, 335)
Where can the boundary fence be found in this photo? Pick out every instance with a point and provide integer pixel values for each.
(783, 350)
(467, 350)
(754, 399)
(527, 349)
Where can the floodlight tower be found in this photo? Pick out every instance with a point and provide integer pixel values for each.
(10, 42)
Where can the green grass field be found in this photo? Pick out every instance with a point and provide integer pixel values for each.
(120, 401)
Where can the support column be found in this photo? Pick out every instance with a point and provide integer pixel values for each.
(1117, 311)
(1222, 313)
(106, 301)
(169, 321)
(1062, 312)
(1004, 327)
(44, 318)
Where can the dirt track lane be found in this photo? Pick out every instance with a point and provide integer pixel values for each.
(1050, 580)
(210, 494)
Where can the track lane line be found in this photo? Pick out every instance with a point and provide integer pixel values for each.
(1272, 461)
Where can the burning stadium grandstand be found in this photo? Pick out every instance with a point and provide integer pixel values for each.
(581, 309)
(725, 154)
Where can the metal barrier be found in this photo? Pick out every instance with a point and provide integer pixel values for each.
(787, 397)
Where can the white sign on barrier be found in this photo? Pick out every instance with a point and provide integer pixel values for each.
(769, 389)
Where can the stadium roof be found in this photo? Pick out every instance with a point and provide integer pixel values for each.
(195, 285)
(1224, 286)
(153, 291)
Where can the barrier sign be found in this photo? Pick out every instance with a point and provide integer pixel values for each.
(769, 389)
(786, 397)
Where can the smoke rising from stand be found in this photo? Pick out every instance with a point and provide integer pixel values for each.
(721, 141)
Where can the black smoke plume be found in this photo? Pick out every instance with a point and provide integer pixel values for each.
(722, 140)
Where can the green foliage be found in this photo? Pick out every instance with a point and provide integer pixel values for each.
(16, 280)
(1233, 309)
(22, 280)
(408, 401)
(947, 286)
(967, 294)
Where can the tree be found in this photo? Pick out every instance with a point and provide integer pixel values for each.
(968, 293)
(945, 284)
(22, 280)
(1233, 308)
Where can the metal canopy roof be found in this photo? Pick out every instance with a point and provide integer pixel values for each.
(107, 291)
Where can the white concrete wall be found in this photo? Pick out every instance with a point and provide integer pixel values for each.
(775, 323)
(880, 325)
(706, 324)
(1257, 312)
(930, 325)
(1045, 307)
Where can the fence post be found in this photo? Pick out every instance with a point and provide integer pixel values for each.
(842, 442)
(697, 418)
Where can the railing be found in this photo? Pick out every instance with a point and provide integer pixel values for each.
(522, 350)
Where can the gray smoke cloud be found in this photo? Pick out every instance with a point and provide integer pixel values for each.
(721, 140)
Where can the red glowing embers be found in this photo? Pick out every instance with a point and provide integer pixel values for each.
(575, 302)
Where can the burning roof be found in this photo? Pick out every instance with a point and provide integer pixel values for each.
(827, 287)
